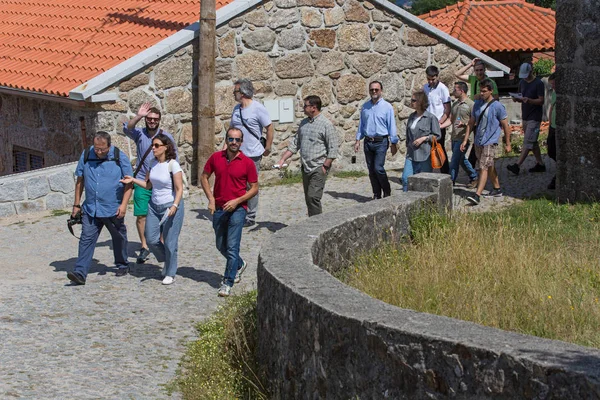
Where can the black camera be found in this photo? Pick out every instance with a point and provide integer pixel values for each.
(74, 220)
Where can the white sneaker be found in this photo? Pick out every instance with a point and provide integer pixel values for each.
(224, 290)
(168, 280)
(238, 275)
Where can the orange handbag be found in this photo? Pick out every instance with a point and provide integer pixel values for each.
(438, 157)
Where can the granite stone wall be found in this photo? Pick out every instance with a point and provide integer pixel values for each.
(578, 100)
(43, 189)
(320, 339)
(50, 128)
(291, 49)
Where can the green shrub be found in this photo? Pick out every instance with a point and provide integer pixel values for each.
(221, 364)
(543, 67)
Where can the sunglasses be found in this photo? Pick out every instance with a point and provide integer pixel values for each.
(374, 90)
(157, 145)
(232, 139)
(152, 119)
(413, 100)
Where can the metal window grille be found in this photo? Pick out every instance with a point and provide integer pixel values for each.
(26, 159)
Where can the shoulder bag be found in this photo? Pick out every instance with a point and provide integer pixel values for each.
(261, 139)
(438, 158)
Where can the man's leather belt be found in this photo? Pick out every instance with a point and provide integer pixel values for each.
(375, 138)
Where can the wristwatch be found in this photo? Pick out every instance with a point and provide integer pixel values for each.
(76, 206)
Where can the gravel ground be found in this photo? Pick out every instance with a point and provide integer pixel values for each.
(122, 338)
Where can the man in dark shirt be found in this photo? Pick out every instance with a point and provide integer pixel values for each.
(532, 103)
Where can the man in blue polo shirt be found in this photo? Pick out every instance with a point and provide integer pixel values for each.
(378, 127)
(98, 172)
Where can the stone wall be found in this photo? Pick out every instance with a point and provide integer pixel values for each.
(48, 127)
(43, 189)
(319, 338)
(291, 49)
(578, 100)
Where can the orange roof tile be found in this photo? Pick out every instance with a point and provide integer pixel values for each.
(497, 25)
(54, 46)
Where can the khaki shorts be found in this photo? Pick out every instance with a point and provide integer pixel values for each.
(486, 155)
(531, 132)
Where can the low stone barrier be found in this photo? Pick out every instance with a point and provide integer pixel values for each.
(320, 339)
(43, 189)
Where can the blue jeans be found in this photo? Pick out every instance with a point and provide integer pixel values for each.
(90, 230)
(253, 202)
(228, 234)
(414, 167)
(458, 157)
(166, 252)
(375, 153)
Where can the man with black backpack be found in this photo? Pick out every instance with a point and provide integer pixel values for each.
(143, 141)
(98, 172)
(251, 118)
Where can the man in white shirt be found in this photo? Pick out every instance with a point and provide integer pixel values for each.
(251, 117)
(439, 105)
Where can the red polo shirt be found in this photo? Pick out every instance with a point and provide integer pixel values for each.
(230, 176)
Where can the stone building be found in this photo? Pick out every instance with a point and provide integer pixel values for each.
(289, 48)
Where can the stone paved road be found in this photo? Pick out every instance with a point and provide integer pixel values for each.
(121, 338)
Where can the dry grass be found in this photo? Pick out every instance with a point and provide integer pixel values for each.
(532, 269)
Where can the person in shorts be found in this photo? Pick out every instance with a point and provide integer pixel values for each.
(488, 119)
(143, 141)
(532, 90)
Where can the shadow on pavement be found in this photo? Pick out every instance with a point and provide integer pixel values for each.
(351, 196)
(200, 275)
(202, 214)
(271, 226)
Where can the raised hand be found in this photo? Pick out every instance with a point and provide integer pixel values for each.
(144, 110)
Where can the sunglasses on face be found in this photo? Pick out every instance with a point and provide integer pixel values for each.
(232, 139)
(157, 145)
(413, 100)
(374, 90)
(152, 119)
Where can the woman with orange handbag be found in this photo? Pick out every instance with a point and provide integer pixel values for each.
(422, 128)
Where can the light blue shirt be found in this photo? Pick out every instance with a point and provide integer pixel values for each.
(256, 118)
(377, 120)
(103, 191)
(489, 129)
(142, 143)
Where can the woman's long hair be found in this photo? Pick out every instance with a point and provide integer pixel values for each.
(170, 151)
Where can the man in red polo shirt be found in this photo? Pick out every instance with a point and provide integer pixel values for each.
(228, 203)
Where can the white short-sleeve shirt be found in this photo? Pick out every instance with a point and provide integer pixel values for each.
(163, 191)
(437, 97)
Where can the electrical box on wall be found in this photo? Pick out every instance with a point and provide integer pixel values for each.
(286, 110)
(280, 110)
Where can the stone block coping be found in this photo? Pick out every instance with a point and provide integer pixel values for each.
(319, 338)
(39, 190)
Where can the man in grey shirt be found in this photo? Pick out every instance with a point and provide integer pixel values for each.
(318, 145)
(251, 118)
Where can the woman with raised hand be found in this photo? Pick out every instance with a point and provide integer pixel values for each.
(421, 127)
(165, 210)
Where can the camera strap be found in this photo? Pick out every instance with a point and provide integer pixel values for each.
(70, 226)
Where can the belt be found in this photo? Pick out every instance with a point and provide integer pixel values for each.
(375, 138)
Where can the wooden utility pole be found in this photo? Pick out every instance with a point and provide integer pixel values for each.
(206, 84)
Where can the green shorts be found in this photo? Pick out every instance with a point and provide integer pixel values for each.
(141, 197)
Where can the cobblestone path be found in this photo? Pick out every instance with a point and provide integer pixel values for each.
(121, 338)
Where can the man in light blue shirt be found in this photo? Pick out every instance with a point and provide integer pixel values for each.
(98, 172)
(378, 127)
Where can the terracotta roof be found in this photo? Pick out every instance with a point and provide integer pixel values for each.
(497, 25)
(53, 46)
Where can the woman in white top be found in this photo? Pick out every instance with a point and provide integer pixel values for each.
(165, 210)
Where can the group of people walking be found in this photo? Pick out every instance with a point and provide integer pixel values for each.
(106, 175)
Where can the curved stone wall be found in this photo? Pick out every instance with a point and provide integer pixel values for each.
(319, 338)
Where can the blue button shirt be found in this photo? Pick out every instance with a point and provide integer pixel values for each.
(490, 128)
(377, 120)
(143, 142)
(103, 191)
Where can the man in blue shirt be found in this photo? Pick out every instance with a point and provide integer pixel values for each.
(105, 204)
(378, 127)
(143, 141)
(489, 119)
